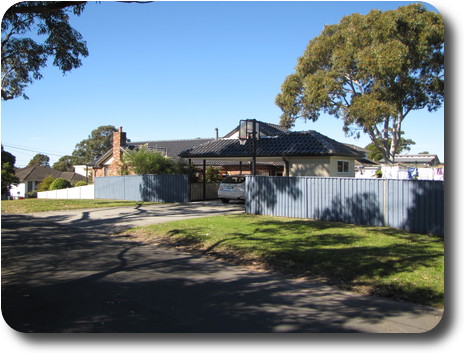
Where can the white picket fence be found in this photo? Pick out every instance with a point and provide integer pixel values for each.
(86, 192)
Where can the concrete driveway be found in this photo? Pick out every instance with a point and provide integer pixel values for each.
(64, 272)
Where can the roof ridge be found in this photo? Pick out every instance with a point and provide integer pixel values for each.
(193, 139)
(322, 139)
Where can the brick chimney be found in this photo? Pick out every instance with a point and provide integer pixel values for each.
(119, 140)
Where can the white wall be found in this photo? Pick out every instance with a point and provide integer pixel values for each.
(86, 192)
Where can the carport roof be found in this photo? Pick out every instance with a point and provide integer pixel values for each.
(303, 143)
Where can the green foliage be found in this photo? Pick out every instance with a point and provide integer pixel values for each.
(8, 174)
(213, 175)
(97, 144)
(39, 160)
(65, 164)
(23, 57)
(145, 161)
(371, 71)
(60, 183)
(376, 155)
(45, 184)
(80, 183)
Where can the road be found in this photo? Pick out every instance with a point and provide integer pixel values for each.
(68, 272)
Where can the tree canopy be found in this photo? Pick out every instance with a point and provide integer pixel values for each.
(23, 57)
(372, 71)
(40, 160)
(8, 174)
(65, 164)
(98, 143)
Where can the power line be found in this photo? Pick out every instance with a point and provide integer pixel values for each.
(31, 150)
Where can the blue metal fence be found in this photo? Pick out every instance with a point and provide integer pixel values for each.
(413, 205)
(154, 188)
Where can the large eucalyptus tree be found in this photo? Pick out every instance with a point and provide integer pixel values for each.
(371, 71)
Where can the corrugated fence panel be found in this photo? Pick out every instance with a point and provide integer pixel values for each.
(412, 205)
(111, 188)
(153, 188)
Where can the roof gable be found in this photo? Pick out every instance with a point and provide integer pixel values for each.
(39, 173)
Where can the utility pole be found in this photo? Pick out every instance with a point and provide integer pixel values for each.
(253, 171)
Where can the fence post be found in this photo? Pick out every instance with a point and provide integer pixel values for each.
(385, 195)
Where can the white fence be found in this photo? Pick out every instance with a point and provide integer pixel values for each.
(81, 192)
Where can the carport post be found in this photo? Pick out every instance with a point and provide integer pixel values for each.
(204, 179)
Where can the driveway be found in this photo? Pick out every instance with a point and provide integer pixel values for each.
(65, 272)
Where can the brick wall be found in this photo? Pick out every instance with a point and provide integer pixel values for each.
(114, 168)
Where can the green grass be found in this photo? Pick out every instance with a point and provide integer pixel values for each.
(42, 205)
(374, 260)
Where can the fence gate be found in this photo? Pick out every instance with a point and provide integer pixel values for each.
(203, 191)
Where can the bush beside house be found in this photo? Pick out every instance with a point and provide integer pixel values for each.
(60, 183)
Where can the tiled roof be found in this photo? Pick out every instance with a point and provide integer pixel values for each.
(171, 148)
(39, 173)
(266, 129)
(305, 143)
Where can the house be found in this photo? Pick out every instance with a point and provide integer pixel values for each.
(417, 160)
(83, 170)
(30, 177)
(110, 163)
(278, 152)
(304, 153)
(364, 167)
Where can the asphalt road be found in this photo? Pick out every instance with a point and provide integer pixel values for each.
(67, 272)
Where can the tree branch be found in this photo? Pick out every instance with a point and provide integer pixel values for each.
(50, 7)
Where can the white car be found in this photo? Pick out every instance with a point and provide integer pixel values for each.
(232, 188)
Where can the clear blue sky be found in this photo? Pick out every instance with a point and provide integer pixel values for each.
(178, 70)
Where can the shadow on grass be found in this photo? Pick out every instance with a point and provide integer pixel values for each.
(335, 252)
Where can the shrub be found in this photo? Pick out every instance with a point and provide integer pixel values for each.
(80, 183)
(45, 184)
(145, 161)
(213, 175)
(60, 183)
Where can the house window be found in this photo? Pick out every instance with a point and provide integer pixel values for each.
(343, 166)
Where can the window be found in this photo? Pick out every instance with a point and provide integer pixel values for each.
(343, 166)
(234, 180)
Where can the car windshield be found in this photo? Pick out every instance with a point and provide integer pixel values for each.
(234, 180)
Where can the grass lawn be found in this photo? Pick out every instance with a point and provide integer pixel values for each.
(41, 205)
(379, 261)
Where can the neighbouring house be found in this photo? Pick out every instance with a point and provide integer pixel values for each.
(364, 167)
(414, 166)
(83, 170)
(416, 160)
(278, 152)
(31, 177)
